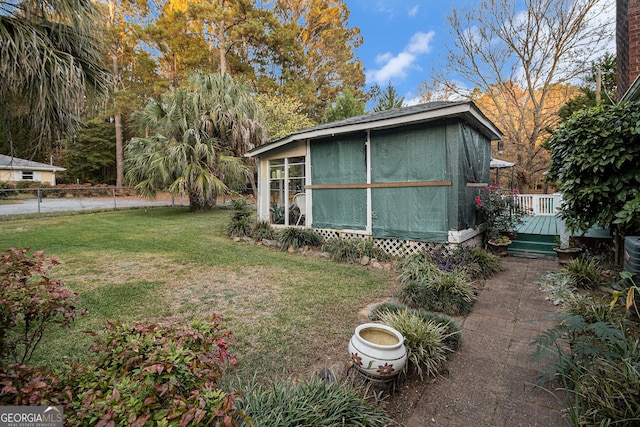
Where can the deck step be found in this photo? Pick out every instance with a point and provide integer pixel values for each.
(539, 238)
(534, 244)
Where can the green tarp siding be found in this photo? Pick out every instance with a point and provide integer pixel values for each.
(446, 150)
(412, 213)
(339, 160)
(410, 154)
(475, 158)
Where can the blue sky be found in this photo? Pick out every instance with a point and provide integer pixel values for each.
(403, 39)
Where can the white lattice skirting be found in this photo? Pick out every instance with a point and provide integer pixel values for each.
(396, 247)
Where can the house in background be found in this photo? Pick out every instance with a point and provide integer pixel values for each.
(406, 177)
(628, 50)
(14, 169)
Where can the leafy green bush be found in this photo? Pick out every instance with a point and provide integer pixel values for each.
(352, 250)
(423, 338)
(240, 224)
(309, 403)
(262, 230)
(30, 302)
(154, 375)
(4, 186)
(427, 287)
(298, 238)
(594, 155)
(597, 365)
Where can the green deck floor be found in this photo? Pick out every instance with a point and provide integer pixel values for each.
(552, 226)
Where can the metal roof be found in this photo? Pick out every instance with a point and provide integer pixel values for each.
(499, 164)
(16, 163)
(419, 113)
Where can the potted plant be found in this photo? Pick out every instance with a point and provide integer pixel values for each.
(499, 245)
(567, 250)
(501, 215)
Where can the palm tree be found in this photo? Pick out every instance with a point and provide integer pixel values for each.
(198, 138)
(51, 53)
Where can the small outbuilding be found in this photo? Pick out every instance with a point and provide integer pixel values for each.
(406, 177)
(14, 169)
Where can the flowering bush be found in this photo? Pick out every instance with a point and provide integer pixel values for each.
(498, 210)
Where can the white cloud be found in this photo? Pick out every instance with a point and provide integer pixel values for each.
(420, 43)
(413, 11)
(397, 66)
(383, 57)
(410, 99)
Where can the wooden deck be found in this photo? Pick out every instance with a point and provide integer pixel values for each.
(547, 225)
(551, 225)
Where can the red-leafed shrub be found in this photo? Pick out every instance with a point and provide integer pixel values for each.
(30, 303)
(154, 374)
(160, 375)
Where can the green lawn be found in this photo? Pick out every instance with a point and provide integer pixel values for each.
(290, 314)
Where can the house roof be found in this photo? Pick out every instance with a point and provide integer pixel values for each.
(419, 113)
(16, 163)
(633, 93)
(499, 164)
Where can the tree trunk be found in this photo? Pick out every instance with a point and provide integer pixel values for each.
(222, 47)
(199, 203)
(119, 151)
(118, 116)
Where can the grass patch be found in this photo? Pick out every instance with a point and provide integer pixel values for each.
(287, 312)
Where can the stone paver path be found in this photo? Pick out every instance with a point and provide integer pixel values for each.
(491, 381)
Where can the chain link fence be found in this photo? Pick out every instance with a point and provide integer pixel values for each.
(39, 200)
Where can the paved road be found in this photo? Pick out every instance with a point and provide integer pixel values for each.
(47, 205)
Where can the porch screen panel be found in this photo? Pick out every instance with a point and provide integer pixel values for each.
(475, 158)
(339, 160)
(414, 154)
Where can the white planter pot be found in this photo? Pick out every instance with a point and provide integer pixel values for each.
(378, 350)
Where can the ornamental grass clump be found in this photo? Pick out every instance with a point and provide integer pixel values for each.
(452, 336)
(262, 230)
(479, 264)
(585, 272)
(499, 210)
(352, 250)
(312, 403)
(424, 339)
(298, 238)
(427, 287)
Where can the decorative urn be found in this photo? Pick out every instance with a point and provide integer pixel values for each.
(378, 350)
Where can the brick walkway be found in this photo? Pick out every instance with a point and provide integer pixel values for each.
(490, 380)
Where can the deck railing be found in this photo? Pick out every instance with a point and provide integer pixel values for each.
(539, 204)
